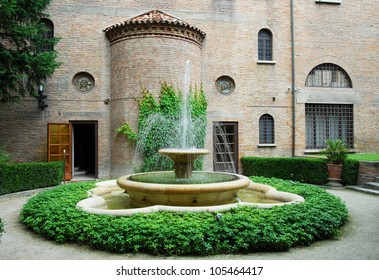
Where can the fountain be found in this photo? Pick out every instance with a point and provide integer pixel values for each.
(182, 189)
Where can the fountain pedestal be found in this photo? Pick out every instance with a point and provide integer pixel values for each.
(183, 160)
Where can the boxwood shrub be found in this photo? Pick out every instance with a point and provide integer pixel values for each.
(350, 172)
(306, 170)
(53, 215)
(29, 176)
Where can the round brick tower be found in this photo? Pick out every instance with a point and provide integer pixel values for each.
(146, 50)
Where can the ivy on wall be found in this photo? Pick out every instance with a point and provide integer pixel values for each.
(159, 126)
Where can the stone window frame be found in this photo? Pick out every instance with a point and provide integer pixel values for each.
(265, 53)
(83, 87)
(266, 131)
(225, 85)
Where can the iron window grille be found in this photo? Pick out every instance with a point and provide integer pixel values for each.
(328, 75)
(266, 129)
(328, 121)
(265, 45)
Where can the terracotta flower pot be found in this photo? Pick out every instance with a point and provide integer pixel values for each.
(335, 174)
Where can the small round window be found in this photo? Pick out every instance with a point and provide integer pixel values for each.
(83, 82)
(225, 85)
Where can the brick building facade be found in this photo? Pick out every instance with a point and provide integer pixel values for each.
(280, 77)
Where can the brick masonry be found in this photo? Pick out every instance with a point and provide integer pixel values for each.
(368, 171)
(344, 34)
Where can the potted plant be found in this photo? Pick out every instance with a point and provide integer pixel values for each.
(336, 152)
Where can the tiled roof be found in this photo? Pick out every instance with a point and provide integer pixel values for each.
(155, 16)
(154, 23)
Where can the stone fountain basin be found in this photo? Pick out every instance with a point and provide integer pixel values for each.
(145, 194)
(96, 203)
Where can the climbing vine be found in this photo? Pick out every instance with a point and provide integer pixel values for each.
(159, 127)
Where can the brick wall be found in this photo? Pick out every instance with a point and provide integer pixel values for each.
(344, 34)
(368, 171)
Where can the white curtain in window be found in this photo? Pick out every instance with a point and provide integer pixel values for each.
(321, 125)
(333, 127)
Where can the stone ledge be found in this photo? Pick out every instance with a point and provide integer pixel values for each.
(266, 145)
(363, 189)
(329, 2)
(271, 62)
(96, 204)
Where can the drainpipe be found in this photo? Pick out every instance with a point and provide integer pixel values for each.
(293, 89)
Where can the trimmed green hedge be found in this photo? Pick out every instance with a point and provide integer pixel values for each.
(29, 176)
(53, 215)
(350, 172)
(308, 170)
(305, 170)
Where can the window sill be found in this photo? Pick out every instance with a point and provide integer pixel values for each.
(266, 62)
(329, 1)
(313, 151)
(266, 145)
(319, 151)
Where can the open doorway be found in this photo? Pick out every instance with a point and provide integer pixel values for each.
(84, 150)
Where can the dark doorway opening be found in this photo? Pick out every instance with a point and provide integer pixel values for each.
(225, 146)
(84, 134)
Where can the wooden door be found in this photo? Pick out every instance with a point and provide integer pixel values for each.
(60, 146)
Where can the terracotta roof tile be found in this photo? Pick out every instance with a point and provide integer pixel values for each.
(154, 16)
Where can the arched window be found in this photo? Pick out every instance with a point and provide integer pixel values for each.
(48, 34)
(266, 129)
(265, 45)
(328, 75)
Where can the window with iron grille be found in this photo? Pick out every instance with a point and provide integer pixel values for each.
(328, 75)
(265, 45)
(266, 129)
(328, 121)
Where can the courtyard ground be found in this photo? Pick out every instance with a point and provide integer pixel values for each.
(359, 237)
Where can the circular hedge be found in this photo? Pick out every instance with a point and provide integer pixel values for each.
(53, 215)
